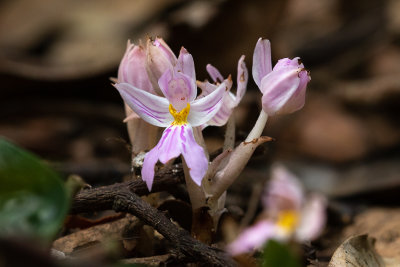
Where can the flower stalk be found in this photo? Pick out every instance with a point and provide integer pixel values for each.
(258, 128)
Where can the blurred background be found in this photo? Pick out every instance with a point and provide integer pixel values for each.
(56, 98)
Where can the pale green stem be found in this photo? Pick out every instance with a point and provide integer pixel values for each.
(258, 127)
(239, 159)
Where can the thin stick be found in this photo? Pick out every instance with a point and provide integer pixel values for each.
(165, 179)
(121, 199)
(229, 142)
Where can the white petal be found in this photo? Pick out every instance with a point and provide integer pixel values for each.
(202, 110)
(313, 218)
(214, 73)
(151, 108)
(223, 114)
(262, 64)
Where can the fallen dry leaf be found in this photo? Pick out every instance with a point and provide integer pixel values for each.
(357, 251)
(383, 225)
(97, 234)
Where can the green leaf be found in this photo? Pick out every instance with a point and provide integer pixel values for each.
(33, 200)
(278, 254)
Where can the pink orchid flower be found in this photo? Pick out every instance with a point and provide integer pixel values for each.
(179, 112)
(284, 86)
(230, 101)
(288, 214)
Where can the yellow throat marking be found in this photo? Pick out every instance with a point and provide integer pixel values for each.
(288, 220)
(180, 117)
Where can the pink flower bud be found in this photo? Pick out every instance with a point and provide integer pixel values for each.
(283, 87)
(160, 58)
(132, 68)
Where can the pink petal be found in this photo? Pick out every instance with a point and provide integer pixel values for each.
(284, 191)
(168, 147)
(151, 108)
(288, 64)
(164, 48)
(170, 144)
(178, 88)
(132, 68)
(289, 100)
(186, 66)
(230, 101)
(313, 218)
(297, 100)
(278, 87)
(206, 88)
(149, 163)
(176, 140)
(261, 61)
(225, 111)
(242, 79)
(194, 155)
(203, 109)
(214, 73)
(252, 238)
(160, 58)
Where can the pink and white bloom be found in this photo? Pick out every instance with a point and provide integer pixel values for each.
(230, 101)
(179, 112)
(284, 86)
(288, 214)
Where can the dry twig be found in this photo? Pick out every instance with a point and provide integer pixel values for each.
(123, 197)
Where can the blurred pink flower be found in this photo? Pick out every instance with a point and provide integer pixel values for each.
(284, 86)
(288, 214)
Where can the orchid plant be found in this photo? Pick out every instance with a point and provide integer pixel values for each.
(161, 89)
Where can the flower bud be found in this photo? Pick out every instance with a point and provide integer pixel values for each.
(132, 68)
(284, 88)
(160, 58)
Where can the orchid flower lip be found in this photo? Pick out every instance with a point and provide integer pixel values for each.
(288, 220)
(180, 118)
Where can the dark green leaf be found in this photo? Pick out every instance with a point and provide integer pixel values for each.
(278, 254)
(33, 200)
